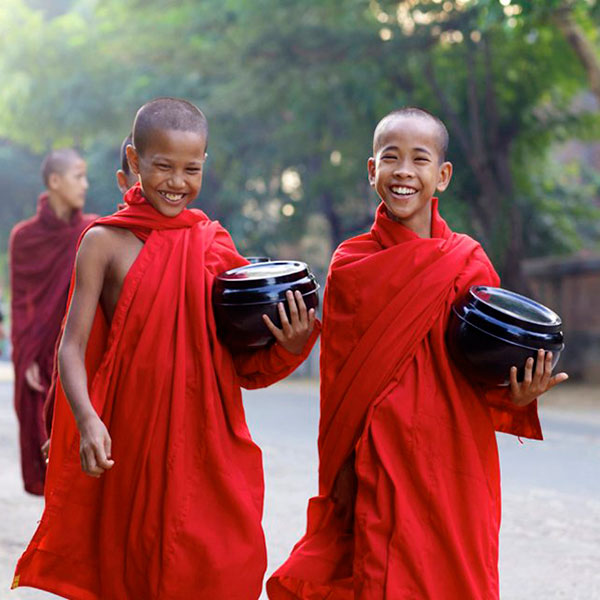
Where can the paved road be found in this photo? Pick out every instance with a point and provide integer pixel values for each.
(550, 539)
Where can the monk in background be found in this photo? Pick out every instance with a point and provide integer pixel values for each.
(41, 256)
(409, 477)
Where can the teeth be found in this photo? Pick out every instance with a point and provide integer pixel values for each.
(173, 197)
(403, 190)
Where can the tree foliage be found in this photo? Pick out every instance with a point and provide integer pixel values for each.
(293, 91)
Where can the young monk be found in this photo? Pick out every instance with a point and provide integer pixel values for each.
(42, 253)
(155, 487)
(409, 482)
(125, 180)
(125, 177)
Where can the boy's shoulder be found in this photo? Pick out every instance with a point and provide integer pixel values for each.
(23, 228)
(105, 241)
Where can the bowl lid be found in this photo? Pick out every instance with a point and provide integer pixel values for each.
(264, 273)
(513, 308)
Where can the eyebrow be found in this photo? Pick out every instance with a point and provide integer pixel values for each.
(419, 149)
(158, 157)
(415, 149)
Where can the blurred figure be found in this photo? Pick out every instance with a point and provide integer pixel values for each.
(2, 332)
(125, 178)
(42, 253)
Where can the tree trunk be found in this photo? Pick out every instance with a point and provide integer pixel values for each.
(584, 50)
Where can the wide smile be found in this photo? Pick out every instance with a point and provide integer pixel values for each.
(402, 191)
(172, 197)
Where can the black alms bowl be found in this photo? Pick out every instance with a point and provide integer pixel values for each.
(242, 295)
(492, 329)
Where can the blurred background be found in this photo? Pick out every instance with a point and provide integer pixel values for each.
(292, 91)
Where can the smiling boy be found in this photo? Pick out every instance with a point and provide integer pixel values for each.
(155, 486)
(409, 483)
(42, 253)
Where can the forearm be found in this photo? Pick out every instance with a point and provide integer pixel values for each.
(73, 377)
(262, 368)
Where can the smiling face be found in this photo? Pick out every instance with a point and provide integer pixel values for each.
(69, 187)
(407, 169)
(170, 169)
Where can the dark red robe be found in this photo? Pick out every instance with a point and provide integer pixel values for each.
(179, 514)
(427, 511)
(42, 252)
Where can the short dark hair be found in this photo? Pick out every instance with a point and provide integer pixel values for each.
(414, 111)
(166, 114)
(124, 162)
(58, 161)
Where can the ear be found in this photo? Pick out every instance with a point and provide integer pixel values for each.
(133, 159)
(444, 176)
(371, 171)
(122, 181)
(53, 181)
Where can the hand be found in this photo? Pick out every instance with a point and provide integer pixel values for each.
(94, 446)
(293, 336)
(343, 494)
(45, 449)
(534, 384)
(33, 379)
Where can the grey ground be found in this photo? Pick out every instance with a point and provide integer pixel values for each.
(550, 537)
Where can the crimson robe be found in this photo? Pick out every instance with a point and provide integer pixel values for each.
(427, 512)
(42, 252)
(179, 514)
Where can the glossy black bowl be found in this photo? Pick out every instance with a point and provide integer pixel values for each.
(492, 329)
(242, 295)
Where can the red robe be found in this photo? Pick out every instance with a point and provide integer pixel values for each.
(179, 514)
(427, 511)
(42, 252)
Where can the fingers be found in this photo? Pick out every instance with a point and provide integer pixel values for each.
(95, 457)
(514, 384)
(277, 333)
(528, 375)
(294, 299)
(559, 378)
(32, 377)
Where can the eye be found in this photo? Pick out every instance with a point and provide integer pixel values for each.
(388, 157)
(193, 171)
(422, 159)
(162, 166)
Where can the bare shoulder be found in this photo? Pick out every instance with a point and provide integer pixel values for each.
(105, 240)
(99, 245)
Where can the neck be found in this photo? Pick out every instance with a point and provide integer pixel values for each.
(59, 208)
(419, 224)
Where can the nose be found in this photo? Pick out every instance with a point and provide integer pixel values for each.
(86, 183)
(176, 181)
(404, 169)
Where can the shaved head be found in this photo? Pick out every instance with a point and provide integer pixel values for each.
(166, 114)
(58, 161)
(124, 162)
(416, 113)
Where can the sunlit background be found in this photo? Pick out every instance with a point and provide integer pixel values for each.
(292, 91)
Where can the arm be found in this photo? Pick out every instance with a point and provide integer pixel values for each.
(514, 408)
(90, 267)
(294, 342)
(24, 326)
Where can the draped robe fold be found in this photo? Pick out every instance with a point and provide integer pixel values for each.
(179, 514)
(427, 511)
(42, 252)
